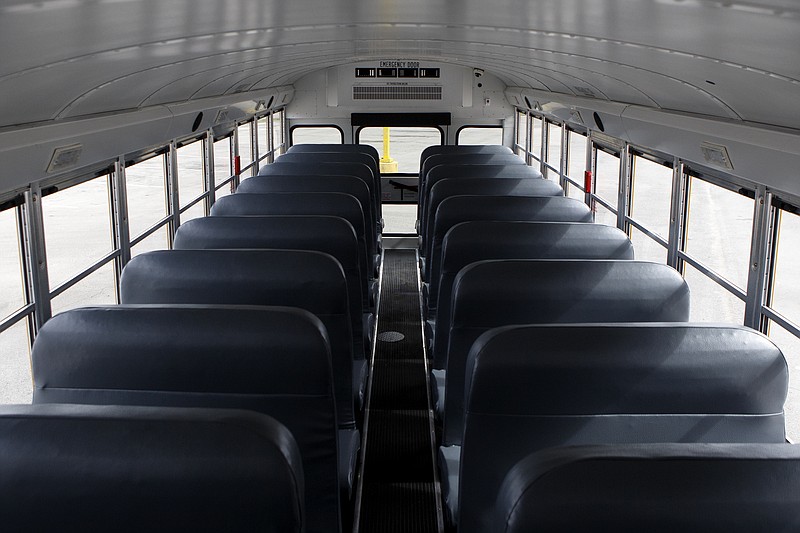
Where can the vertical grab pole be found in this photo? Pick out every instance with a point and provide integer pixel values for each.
(388, 165)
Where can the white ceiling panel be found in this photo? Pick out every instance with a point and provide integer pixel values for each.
(726, 58)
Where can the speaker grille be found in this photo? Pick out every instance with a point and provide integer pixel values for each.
(400, 92)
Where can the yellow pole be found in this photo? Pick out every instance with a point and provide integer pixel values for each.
(388, 164)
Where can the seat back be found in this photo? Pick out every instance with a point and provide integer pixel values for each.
(460, 170)
(304, 203)
(274, 360)
(469, 242)
(485, 158)
(344, 184)
(441, 172)
(344, 148)
(449, 187)
(457, 209)
(132, 469)
(330, 156)
(653, 487)
(331, 235)
(535, 387)
(467, 159)
(463, 149)
(488, 294)
(358, 170)
(294, 278)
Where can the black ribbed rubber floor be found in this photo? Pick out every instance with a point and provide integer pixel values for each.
(398, 492)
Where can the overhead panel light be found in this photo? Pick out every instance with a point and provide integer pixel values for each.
(65, 157)
(575, 116)
(716, 154)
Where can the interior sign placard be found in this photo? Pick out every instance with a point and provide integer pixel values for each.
(393, 63)
(397, 68)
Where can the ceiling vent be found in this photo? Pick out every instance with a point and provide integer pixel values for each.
(397, 92)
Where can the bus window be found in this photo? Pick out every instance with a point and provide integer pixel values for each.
(576, 165)
(223, 167)
(15, 369)
(606, 187)
(147, 204)
(316, 135)
(98, 288)
(650, 207)
(521, 135)
(536, 140)
(77, 232)
(155, 241)
(245, 148)
(719, 230)
(278, 142)
(15, 365)
(554, 147)
(198, 210)
(405, 145)
(263, 139)
(786, 301)
(399, 219)
(12, 291)
(191, 182)
(480, 135)
(786, 289)
(710, 301)
(790, 346)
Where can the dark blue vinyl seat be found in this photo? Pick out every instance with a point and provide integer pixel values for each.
(358, 170)
(341, 148)
(536, 387)
(273, 360)
(329, 156)
(445, 163)
(331, 235)
(469, 242)
(492, 170)
(305, 203)
(489, 294)
(344, 184)
(313, 281)
(463, 171)
(472, 159)
(449, 187)
(457, 209)
(131, 469)
(437, 149)
(692, 488)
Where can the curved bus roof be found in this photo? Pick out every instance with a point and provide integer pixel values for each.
(643, 71)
